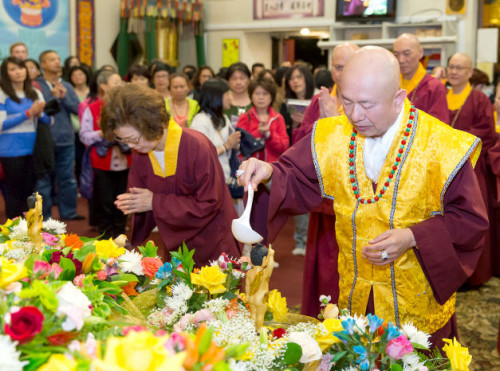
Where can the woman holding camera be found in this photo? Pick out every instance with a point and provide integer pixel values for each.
(21, 110)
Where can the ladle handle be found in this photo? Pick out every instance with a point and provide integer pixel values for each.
(248, 207)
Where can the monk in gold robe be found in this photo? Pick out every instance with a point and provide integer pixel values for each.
(410, 219)
(424, 91)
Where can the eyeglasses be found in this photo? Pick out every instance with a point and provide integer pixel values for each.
(458, 68)
(128, 140)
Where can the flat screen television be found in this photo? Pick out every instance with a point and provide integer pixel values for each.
(365, 10)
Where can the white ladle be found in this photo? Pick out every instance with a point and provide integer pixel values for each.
(241, 228)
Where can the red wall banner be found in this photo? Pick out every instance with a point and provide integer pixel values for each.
(85, 31)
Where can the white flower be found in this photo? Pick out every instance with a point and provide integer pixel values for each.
(10, 355)
(411, 362)
(20, 231)
(182, 291)
(131, 262)
(54, 226)
(74, 305)
(216, 305)
(175, 303)
(323, 298)
(416, 336)
(310, 348)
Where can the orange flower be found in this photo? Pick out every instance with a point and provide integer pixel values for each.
(150, 266)
(72, 240)
(129, 288)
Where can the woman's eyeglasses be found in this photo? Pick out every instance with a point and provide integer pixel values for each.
(128, 140)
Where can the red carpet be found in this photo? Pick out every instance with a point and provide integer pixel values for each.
(287, 278)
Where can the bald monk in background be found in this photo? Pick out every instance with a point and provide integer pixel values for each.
(320, 267)
(410, 216)
(471, 111)
(424, 91)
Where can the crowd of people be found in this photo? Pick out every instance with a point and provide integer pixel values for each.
(379, 219)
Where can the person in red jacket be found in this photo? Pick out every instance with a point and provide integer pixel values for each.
(264, 122)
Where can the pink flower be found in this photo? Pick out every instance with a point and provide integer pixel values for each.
(101, 275)
(203, 315)
(176, 343)
(78, 280)
(41, 269)
(135, 328)
(50, 239)
(398, 347)
(56, 270)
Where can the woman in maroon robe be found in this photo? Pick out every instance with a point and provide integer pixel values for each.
(175, 182)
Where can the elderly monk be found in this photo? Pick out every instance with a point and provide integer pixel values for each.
(424, 91)
(320, 268)
(410, 216)
(175, 181)
(471, 111)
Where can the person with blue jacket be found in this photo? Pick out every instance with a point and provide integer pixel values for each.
(21, 110)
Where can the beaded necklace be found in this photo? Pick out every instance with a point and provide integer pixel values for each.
(352, 164)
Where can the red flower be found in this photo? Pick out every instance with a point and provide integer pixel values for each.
(279, 332)
(150, 266)
(25, 324)
(61, 338)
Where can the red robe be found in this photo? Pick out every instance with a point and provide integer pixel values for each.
(494, 161)
(476, 117)
(449, 246)
(430, 96)
(193, 206)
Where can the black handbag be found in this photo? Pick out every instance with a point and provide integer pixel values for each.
(235, 189)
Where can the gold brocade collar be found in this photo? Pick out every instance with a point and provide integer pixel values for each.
(340, 107)
(410, 85)
(455, 101)
(174, 133)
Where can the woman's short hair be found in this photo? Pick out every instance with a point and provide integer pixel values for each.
(308, 78)
(138, 70)
(266, 84)
(138, 106)
(238, 66)
(85, 71)
(211, 102)
(178, 74)
(196, 78)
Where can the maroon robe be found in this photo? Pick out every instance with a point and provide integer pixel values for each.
(476, 117)
(193, 206)
(320, 267)
(494, 162)
(449, 246)
(430, 97)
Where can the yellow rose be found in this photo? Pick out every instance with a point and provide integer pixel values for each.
(10, 272)
(138, 351)
(108, 249)
(210, 278)
(59, 362)
(278, 307)
(5, 229)
(458, 355)
(325, 340)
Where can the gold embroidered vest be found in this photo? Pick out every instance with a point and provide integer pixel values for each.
(433, 155)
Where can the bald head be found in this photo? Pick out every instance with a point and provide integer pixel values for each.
(459, 71)
(341, 53)
(408, 51)
(370, 90)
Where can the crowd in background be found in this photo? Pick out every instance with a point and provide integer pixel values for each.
(50, 116)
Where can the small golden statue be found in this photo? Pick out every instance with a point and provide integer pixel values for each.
(257, 284)
(34, 219)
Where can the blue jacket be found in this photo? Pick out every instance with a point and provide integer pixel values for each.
(17, 131)
(62, 130)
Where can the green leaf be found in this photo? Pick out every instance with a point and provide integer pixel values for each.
(82, 253)
(149, 251)
(293, 353)
(206, 340)
(69, 269)
(338, 355)
(3, 238)
(396, 367)
(128, 277)
(236, 351)
(47, 254)
(221, 366)
(30, 262)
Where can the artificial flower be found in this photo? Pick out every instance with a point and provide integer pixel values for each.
(277, 305)
(72, 240)
(458, 355)
(109, 249)
(10, 355)
(211, 278)
(326, 337)
(130, 262)
(25, 324)
(310, 348)
(59, 362)
(150, 266)
(11, 272)
(138, 351)
(74, 305)
(398, 347)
